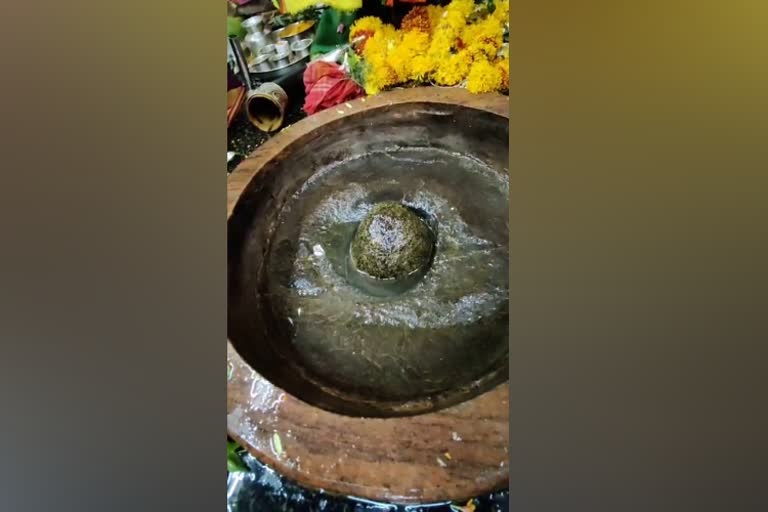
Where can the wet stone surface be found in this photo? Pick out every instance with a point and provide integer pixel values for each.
(431, 339)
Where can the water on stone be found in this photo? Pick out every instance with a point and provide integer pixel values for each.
(445, 329)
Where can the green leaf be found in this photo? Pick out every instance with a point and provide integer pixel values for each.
(236, 466)
(356, 68)
(235, 462)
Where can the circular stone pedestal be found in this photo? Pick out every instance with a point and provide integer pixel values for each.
(400, 397)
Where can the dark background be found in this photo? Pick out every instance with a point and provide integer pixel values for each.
(638, 255)
(263, 489)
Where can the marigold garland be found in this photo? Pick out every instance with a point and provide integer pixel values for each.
(368, 24)
(435, 13)
(483, 77)
(483, 39)
(436, 44)
(412, 44)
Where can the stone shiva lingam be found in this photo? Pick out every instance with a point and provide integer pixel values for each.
(368, 298)
(392, 242)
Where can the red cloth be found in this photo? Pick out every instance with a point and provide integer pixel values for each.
(327, 85)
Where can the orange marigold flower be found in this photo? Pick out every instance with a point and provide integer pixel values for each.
(416, 19)
(503, 66)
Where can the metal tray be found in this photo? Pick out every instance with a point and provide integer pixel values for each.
(295, 64)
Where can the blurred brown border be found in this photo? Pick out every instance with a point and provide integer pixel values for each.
(638, 255)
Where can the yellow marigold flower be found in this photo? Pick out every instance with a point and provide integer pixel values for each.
(502, 12)
(377, 52)
(454, 22)
(483, 77)
(484, 38)
(463, 7)
(400, 65)
(452, 70)
(296, 6)
(370, 88)
(378, 46)
(435, 13)
(440, 46)
(421, 67)
(370, 24)
(379, 78)
(416, 42)
(412, 44)
(436, 43)
(375, 49)
(469, 36)
(453, 19)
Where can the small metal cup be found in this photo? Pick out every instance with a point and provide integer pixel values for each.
(282, 48)
(280, 59)
(266, 106)
(253, 24)
(261, 63)
(267, 50)
(301, 48)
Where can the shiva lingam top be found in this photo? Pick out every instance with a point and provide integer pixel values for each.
(392, 242)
